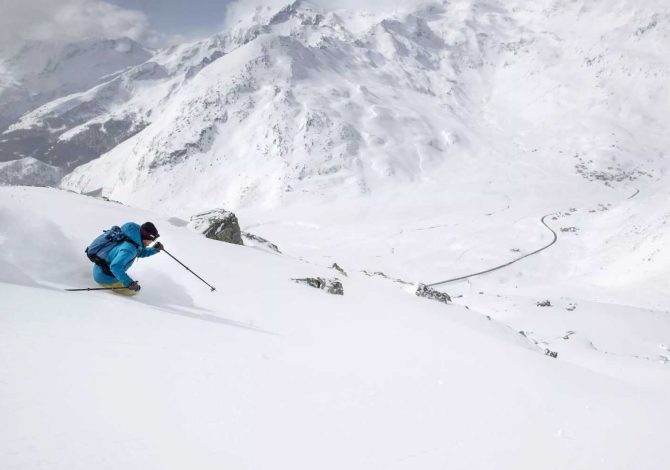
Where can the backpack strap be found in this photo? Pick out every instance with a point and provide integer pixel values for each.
(101, 246)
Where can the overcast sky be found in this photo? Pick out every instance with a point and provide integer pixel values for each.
(154, 23)
(182, 17)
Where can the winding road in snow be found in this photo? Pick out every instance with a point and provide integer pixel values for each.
(637, 191)
(555, 237)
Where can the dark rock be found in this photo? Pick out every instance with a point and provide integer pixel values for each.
(337, 267)
(423, 290)
(89, 143)
(332, 286)
(568, 334)
(218, 224)
(548, 352)
(317, 282)
(544, 303)
(255, 240)
(381, 274)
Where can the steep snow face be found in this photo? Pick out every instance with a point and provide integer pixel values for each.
(267, 374)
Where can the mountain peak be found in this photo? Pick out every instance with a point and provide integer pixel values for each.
(305, 12)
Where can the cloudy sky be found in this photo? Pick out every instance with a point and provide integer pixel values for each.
(154, 23)
(180, 17)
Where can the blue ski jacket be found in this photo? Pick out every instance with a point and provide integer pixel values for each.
(121, 257)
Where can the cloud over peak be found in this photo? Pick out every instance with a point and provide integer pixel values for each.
(71, 20)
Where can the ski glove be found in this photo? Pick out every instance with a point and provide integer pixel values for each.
(159, 246)
(134, 286)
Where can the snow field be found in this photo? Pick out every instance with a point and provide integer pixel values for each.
(265, 373)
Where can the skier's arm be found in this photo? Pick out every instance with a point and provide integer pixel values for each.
(147, 252)
(119, 263)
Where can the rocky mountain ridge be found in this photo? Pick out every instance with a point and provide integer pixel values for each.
(41, 72)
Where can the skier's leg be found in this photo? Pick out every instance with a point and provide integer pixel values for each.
(124, 291)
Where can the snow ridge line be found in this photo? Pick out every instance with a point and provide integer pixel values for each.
(506, 264)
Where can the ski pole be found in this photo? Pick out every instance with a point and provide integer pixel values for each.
(96, 288)
(187, 268)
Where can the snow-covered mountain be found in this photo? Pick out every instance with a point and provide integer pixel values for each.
(305, 99)
(332, 102)
(42, 72)
(29, 172)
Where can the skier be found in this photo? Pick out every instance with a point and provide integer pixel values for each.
(110, 269)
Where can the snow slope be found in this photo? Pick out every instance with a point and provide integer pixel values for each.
(266, 373)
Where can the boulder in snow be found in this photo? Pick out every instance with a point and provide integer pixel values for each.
(550, 353)
(337, 267)
(423, 290)
(259, 242)
(218, 224)
(332, 286)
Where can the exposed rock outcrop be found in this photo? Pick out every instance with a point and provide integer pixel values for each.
(254, 240)
(218, 224)
(550, 353)
(332, 286)
(337, 267)
(423, 290)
